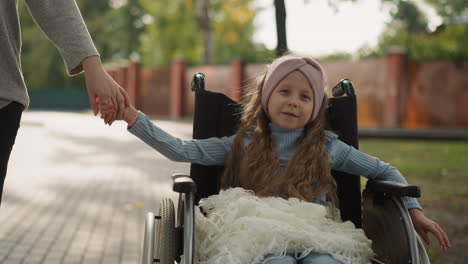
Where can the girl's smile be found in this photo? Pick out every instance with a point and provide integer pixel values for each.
(290, 114)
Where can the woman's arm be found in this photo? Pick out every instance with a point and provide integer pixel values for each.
(63, 24)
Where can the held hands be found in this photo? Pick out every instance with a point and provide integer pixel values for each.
(423, 225)
(100, 85)
(107, 108)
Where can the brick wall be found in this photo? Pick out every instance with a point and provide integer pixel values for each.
(392, 92)
(437, 95)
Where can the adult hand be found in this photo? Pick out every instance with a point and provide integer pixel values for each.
(423, 225)
(100, 84)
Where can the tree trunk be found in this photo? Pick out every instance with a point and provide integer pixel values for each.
(204, 23)
(282, 44)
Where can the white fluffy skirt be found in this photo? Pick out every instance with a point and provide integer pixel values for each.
(240, 228)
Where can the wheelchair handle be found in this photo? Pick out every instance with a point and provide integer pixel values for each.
(198, 82)
(183, 183)
(344, 86)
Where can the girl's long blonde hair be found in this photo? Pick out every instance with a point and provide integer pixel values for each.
(256, 166)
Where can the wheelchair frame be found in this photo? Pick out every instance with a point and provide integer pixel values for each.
(379, 196)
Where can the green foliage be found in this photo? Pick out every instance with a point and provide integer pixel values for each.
(408, 30)
(234, 30)
(115, 32)
(447, 44)
(174, 32)
(156, 31)
(449, 8)
(42, 64)
(407, 13)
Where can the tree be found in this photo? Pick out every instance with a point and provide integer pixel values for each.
(280, 14)
(115, 31)
(448, 9)
(234, 30)
(408, 29)
(411, 20)
(129, 19)
(409, 14)
(282, 41)
(174, 32)
(204, 23)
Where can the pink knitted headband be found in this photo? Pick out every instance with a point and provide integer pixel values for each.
(283, 66)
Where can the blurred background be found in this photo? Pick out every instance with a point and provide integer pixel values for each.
(408, 60)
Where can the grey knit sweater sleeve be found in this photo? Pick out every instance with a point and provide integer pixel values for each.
(211, 151)
(63, 24)
(61, 21)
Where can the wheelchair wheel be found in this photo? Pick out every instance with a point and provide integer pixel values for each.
(389, 226)
(160, 241)
(165, 241)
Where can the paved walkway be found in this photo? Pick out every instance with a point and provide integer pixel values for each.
(78, 192)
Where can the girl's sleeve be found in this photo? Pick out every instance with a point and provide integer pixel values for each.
(210, 151)
(347, 159)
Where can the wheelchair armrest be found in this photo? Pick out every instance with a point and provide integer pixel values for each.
(393, 188)
(183, 183)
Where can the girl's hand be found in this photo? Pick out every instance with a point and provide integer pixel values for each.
(106, 108)
(423, 225)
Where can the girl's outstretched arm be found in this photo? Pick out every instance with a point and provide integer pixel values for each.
(348, 159)
(210, 151)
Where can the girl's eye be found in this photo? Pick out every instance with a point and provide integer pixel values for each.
(305, 97)
(284, 91)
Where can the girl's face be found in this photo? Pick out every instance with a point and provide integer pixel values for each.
(292, 102)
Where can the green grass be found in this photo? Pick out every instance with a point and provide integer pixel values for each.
(440, 168)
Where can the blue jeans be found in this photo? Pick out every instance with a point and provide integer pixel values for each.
(312, 258)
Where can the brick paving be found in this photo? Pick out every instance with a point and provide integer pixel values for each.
(78, 191)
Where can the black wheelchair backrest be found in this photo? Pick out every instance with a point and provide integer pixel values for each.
(217, 116)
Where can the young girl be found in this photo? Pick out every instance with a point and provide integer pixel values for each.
(281, 148)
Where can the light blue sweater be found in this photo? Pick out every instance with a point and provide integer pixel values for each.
(214, 151)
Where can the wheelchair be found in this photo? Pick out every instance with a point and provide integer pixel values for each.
(169, 237)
